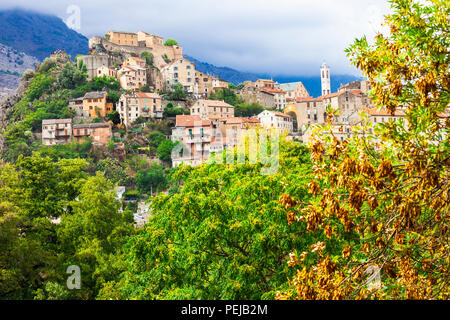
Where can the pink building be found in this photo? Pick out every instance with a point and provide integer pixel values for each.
(196, 136)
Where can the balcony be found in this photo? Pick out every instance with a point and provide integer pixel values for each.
(197, 138)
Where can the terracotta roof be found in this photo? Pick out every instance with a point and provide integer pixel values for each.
(190, 121)
(308, 99)
(334, 94)
(383, 112)
(150, 95)
(270, 90)
(215, 103)
(136, 59)
(239, 120)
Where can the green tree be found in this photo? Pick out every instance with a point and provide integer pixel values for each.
(105, 82)
(71, 77)
(178, 92)
(227, 95)
(248, 110)
(222, 236)
(113, 116)
(151, 179)
(170, 42)
(148, 57)
(92, 236)
(165, 149)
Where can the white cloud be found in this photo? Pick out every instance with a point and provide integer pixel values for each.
(290, 37)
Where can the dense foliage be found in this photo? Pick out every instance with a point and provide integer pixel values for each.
(222, 236)
(35, 249)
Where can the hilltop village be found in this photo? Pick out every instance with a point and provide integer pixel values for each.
(157, 83)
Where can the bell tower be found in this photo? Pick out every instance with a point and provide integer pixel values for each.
(325, 77)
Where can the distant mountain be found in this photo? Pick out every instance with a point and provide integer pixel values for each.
(38, 34)
(225, 73)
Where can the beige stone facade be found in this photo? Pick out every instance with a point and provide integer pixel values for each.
(294, 90)
(212, 108)
(139, 104)
(277, 120)
(250, 94)
(179, 71)
(132, 77)
(56, 131)
(105, 71)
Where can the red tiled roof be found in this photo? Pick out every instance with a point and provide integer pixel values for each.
(239, 120)
(270, 90)
(215, 103)
(383, 112)
(151, 95)
(190, 121)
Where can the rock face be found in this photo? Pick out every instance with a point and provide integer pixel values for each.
(7, 106)
(15, 62)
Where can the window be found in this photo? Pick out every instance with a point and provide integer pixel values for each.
(190, 132)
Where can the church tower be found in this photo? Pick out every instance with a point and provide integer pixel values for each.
(325, 76)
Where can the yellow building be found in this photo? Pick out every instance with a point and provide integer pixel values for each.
(96, 104)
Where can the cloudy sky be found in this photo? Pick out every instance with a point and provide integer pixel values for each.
(279, 37)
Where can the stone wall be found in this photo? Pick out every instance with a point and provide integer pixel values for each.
(157, 50)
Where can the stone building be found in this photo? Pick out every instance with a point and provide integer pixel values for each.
(56, 131)
(106, 71)
(132, 77)
(96, 104)
(294, 90)
(134, 61)
(195, 136)
(212, 108)
(276, 119)
(98, 60)
(179, 71)
(100, 133)
(279, 97)
(76, 106)
(309, 111)
(137, 43)
(250, 94)
(203, 85)
(139, 104)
